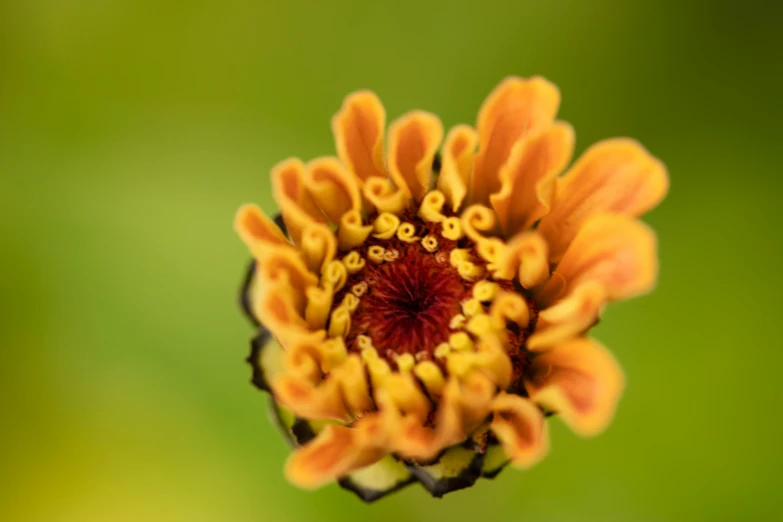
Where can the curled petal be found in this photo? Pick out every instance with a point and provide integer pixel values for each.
(334, 452)
(380, 193)
(318, 247)
(358, 133)
(514, 109)
(580, 381)
(527, 178)
(413, 141)
(297, 206)
(614, 176)
(521, 428)
(335, 190)
(352, 232)
(278, 311)
(457, 164)
(286, 270)
(525, 256)
(477, 220)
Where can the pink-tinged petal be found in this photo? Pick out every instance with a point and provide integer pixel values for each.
(569, 316)
(580, 381)
(617, 251)
(614, 176)
(514, 109)
(413, 142)
(358, 133)
(521, 429)
(527, 178)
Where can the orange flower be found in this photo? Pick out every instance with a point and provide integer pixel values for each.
(421, 314)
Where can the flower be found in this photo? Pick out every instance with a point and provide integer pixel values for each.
(420, 315)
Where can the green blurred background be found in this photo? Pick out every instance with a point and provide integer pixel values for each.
(130, 131)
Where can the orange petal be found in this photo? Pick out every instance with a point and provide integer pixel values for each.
(310, 401)
(513, 109)
(358, 133)
(527, 178)
(334, 452)
(617, 251)
(615, 176)
(286, 269)
(297, 206)
(335, 190)
(580, 381)
(521, 429)
(413, 141)
(278, 311)
(409, 437)
(257, 231)
(457, 163)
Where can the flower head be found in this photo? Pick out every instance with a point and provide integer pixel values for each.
(421, 314)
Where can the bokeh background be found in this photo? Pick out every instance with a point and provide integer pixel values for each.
(130, 131)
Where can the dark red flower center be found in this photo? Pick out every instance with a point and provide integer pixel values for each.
(410, 303)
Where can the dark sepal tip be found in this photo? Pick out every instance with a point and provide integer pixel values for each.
(257, 344)
(439, 487)
(371, 495)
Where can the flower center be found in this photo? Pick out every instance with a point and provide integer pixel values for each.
(410, 303)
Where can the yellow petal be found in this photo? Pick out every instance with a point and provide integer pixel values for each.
(407, 396)
(457, 164)
(521, 429)
(614, 176)
(513, 109)
(318, 246)
(297, 206)
(413, 141)
(527, 178)
(478, 221)
(358, 133)
(353, 381)
(580, 381)
(380, 193)
(335, 190)
(524, 257)
(333, 453)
